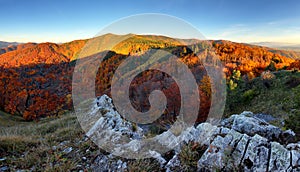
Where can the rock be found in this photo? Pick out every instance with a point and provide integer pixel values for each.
(4, 168)
(121, 166)
(249, 125)
(107, 128)
(280, 158)
(67, 150)
(54, 148)
(223, 131)
(228, 121)
(237, 150)
(158, 157)
(241, 148)
(174, 163)
(221, 151)
(247, 113)
(252, 126)
(64, 143)
(167, 139)
(265, 117)
(287, 136)
(202, 134)
(212, 157)
(205, 133)
(105, 163)
(293, 146)
(85, 138)
(241, 142)
(111, 120)
(252, 153)
(100, 163)
(295, 155)
(189, 134)
(256, 155)
(104, 102)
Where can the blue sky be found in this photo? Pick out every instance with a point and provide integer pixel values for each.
(236, 20)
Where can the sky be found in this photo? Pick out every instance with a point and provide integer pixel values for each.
(67, 20)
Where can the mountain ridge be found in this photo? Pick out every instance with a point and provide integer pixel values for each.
(11, 46)
(41, 74)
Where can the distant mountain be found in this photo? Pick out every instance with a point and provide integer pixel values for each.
(294, 54)
(278, 45)
(16, 47)
(8, 49)
(286, 49)
(6, 44)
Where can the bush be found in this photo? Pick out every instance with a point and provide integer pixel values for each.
(271, 67)
(249, 95)
(267, 77)
(189, 156)
(292, 82)
(292, 122)
(232, 85)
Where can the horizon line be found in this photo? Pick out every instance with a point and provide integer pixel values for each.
(152, 34)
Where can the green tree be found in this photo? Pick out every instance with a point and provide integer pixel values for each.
(232, 85)
(271, 66)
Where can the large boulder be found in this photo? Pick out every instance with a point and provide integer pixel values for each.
(249, 124)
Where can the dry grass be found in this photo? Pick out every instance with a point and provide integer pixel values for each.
(29, 145)
(143, 165)
(189, 156)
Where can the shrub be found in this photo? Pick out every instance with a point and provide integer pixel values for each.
(249, 95)
(271, 67)
(292, 122)
(292, 82)
(205, 85)
(189, 156)
(267, 77)
(232, 85)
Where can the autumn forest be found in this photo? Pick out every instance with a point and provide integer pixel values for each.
(36, 79)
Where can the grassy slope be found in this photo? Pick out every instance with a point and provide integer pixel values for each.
(29, 145)
(39, 146)
(279, 100)
(7, 120)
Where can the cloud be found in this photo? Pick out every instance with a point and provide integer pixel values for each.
(233, 30)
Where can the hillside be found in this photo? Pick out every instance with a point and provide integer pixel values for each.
(288, 53)
(36, 78)
(248, 59)
(242, 142)
(273, 95)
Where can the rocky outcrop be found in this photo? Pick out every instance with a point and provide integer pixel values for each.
(249, 124)
(240, 143)
(112, 121)
(250, 144)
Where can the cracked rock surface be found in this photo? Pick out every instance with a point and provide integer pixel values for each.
(239, 143)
